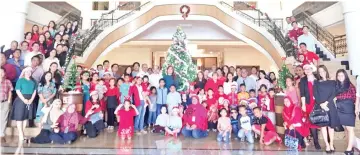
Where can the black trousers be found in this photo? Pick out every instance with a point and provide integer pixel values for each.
(111, 116)
(92, 130)
(42, 138)
(212, 125)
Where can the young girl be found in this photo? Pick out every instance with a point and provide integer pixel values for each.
(213, 117)
(126, 119)
(152, 107)
(291, 90)
(112, 101)
(95, 124)
(224, 126)
(174, 123)
(233, 96)
(84, 87)
(124, 88)
(202, 95)
(161, 120)
(210, 98)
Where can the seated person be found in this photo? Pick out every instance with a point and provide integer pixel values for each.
(264, 128)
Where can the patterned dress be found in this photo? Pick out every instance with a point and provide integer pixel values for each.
(124, 91)
(46, 91)
(126, 123)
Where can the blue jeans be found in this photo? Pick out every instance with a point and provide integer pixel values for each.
(235, 129)
(158, 109)
(152, 117)
(225, 139)
(196, 133)
(248, 135)
(62, 138)
(139, 119)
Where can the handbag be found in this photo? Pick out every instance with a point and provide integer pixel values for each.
(291, 141)
(319, 116)
(339, 128)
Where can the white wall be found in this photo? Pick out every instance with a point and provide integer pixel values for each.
(39, 15)
(329, 16)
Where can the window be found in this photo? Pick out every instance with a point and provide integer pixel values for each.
(100, 6)
(239, 5)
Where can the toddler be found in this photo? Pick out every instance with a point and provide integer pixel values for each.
(126, 120)
(224, 127)
(101, 88)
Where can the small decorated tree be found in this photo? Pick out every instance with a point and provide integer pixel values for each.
(71, 78)
(178, 56)
(283, 73)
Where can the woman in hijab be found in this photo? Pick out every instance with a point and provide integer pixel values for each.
(67, 124)
(22, 109)
(51, 115)
(96, 122)
(293, 124)
(195, 120)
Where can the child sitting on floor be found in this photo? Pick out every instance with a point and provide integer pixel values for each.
(224, 127)
(161, 120)
(126, 120)
(174, 123)
(264, 128)
(245, 126)
(212, 117)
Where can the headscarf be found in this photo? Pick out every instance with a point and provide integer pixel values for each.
(71, 118)
(288, 112)
(22, 75)
(53, 112)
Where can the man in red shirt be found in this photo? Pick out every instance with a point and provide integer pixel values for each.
(295, 32)
(10, 69)
(311, 57)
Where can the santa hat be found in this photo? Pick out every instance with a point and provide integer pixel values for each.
(226, 100)
(94, 93)
(311, 66)
(234, 86)
(107, 73)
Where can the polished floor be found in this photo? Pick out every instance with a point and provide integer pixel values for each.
(108, 143)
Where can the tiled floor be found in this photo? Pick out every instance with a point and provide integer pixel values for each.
(108, 143)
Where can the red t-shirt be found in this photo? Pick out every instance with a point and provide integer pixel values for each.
(311, 56)
(233, 99)
(126, 123)
(210, 101)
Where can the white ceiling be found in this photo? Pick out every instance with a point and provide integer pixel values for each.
(195, 30)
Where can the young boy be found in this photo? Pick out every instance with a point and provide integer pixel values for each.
(243, 95)
(210, 98)
(232, 96)
(220, 97)
(234, 117)
(245, 126)
(252, 97)
(264, 128)
(271, 112)
(161, 97)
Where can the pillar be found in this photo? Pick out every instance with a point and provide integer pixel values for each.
(351, 12)
(12, 16)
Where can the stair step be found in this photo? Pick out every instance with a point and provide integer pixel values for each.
(29, 132)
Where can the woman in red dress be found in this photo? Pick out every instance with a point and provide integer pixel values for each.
(308, 101)
(126, 119)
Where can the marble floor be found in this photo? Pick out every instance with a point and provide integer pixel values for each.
(108, 143)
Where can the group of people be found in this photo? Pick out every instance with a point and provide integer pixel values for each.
(32, 73)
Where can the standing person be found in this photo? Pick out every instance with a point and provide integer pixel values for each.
(52, 28)
(161, 98)
(311, 57)
(170, 78)
(155, 77)
(114, 70)
(324, 93)
(233, 96)
(22, 109)
(46, 91)
(212, 71)
(213, 83)
(291, 91)
(299, 73)
(49, 60)
(144, 71)
(229, 83)
(35, 33)
(308, 101)
(56, 75)
(135, 69)
(37, 70)
(84, 87)
(195, 120)
(152, 106)
(345, 102)
(293, 124)
(272, 80)
(173, 98)
(126, 119)
(137, 93)
(55, 42)
(264, 128)
(223, 126)
(124, 88)
(206, 74)
(200, 80)
(17, 62)
(10, 69)
(263, 80)
(254, 73)
(307, 39)
(51, 115)
(6, 89)
(61, 54)
(67, 125)
(249, 82)
(295, 32)
(112, 101)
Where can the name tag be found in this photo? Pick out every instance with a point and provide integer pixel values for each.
(193, 119)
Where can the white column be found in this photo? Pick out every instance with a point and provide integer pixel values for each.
(12, 16)
(351, 12)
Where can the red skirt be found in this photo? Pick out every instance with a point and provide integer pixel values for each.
(268, 135)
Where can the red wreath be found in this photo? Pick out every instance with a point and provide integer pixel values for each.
(185, 14)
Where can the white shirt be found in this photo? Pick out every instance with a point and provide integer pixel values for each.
(245, 122)
(154, 79)
(162, 120)
(309, 41)
(227, 87)
(140, 92)
(254, 77)
(173, 99)
(142, 74)
(47, 62)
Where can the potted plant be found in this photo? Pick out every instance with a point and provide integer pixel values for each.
(69, 94)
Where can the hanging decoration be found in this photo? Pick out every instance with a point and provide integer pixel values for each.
(185, 10)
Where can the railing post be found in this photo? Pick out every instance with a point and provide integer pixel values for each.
(317, 32)
(259, 18)
(112, 19)
(334, 46)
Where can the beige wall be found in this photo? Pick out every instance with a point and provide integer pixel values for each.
(127, 56)
(248, 56)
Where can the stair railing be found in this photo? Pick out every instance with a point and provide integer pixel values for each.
(335, 44)
(273, 26)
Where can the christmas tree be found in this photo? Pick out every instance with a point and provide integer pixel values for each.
(71, 77)
(178, 56)
(283, 74)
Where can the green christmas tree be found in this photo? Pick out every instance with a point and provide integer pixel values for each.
(283, 74)
(71, 77)
(178, 56)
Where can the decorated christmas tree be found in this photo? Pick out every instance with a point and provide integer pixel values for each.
(178, 56)
(71, 77)
(283, 74)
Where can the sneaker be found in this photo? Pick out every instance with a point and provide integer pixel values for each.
(214, 130)
(52, 142)
(242, 139)
(208, 130)
(143, 132)
(138, 133)
(69, 142)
